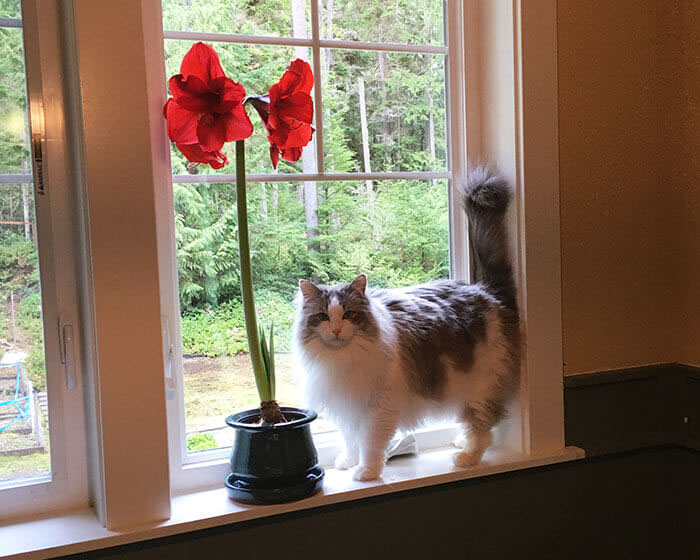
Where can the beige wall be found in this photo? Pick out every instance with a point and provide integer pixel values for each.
(630, 222)
(685, 143)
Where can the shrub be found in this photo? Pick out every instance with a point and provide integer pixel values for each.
(200, 442)
(221, 331)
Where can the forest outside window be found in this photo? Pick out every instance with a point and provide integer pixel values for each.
(371, 193)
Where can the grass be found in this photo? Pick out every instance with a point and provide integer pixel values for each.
(217, 387)
(13, 467)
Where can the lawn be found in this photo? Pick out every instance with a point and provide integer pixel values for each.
(217, 387)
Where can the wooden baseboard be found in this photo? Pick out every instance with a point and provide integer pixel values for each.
(620, 410)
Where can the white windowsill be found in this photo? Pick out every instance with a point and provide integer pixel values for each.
(79, 531)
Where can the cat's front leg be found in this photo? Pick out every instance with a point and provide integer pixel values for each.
(351, 455)
(374, 440)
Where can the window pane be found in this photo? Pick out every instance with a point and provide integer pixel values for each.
(14, 132)
(256, 68)
(23, 401)
(276, 18)
(10, 9)
(384, 111)
(390, 21)
(394, 231)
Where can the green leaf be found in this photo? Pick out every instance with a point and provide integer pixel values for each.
(271, 365)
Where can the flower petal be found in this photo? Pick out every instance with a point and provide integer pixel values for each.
(192, 93)
(286, 137)
(230, 94)
(262, 105)
(195, 153)
(298, 106)
(211, 133)
(291, 154)
(237, 124)
(306, 76)
(202, 61)
(298, 78)
(182, 123)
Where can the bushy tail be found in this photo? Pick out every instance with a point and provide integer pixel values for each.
(486, 197)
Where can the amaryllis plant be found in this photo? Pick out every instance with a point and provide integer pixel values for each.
(206, 110)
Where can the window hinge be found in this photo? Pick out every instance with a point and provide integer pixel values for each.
(66, 345)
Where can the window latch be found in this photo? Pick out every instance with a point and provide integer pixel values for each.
(67, 349)
(170, 382)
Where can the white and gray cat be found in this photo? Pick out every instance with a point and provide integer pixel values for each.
(378, 360)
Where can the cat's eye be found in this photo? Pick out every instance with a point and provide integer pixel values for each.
(349, 315)
(323, 317)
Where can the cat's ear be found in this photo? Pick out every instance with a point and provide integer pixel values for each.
(308, 289)
(359, 283)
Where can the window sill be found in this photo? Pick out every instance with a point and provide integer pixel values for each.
(79, 531)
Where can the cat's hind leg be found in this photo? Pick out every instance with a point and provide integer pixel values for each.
(478, 420)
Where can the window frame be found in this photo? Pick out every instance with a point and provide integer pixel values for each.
(57, 237)
(511, 100)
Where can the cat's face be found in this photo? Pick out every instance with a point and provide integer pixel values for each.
(335, 314)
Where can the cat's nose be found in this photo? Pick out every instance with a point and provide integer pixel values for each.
(336, 331)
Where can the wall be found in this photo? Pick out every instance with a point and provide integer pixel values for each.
(629, 260)
(684, 141)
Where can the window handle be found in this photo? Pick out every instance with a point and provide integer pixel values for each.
(68, 355)
(170, 381)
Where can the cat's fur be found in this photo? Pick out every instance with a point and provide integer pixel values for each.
(376, 360)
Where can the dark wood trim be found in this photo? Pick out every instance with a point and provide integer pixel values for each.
(620, 410)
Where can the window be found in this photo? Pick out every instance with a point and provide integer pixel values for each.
(42, 458)
(131, 289)
(371, 193)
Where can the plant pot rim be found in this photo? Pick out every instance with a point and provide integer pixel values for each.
(247, 419)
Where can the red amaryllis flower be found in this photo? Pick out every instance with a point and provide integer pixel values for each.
(206, 107)
(287, 112)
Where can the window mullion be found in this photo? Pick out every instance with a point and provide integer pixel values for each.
(456, 123)
(123, 127)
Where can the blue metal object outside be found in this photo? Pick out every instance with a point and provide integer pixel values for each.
(22, 409)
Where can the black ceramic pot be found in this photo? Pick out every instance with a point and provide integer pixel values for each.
(273, 463)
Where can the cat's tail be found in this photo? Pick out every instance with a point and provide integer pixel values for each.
(486, 197)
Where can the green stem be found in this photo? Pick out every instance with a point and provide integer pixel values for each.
(251, 323)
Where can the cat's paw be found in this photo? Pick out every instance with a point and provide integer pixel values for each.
(459, 441)
(467, 459)
(345, 461)
(364, 473)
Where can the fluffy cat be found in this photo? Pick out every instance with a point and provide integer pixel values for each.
(377, 360)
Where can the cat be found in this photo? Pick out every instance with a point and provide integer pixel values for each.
(378, 360)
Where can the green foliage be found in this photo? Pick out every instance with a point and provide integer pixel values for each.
(18, 264)
(221, 332)
(200, 442)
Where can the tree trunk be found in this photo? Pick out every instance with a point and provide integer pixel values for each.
(25, 205)
(383, 71)
(365, 133)
(308, 156)
(263, 202)
(275, 197)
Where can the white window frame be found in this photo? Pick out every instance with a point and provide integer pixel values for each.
(511, 101)
(57, 234)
